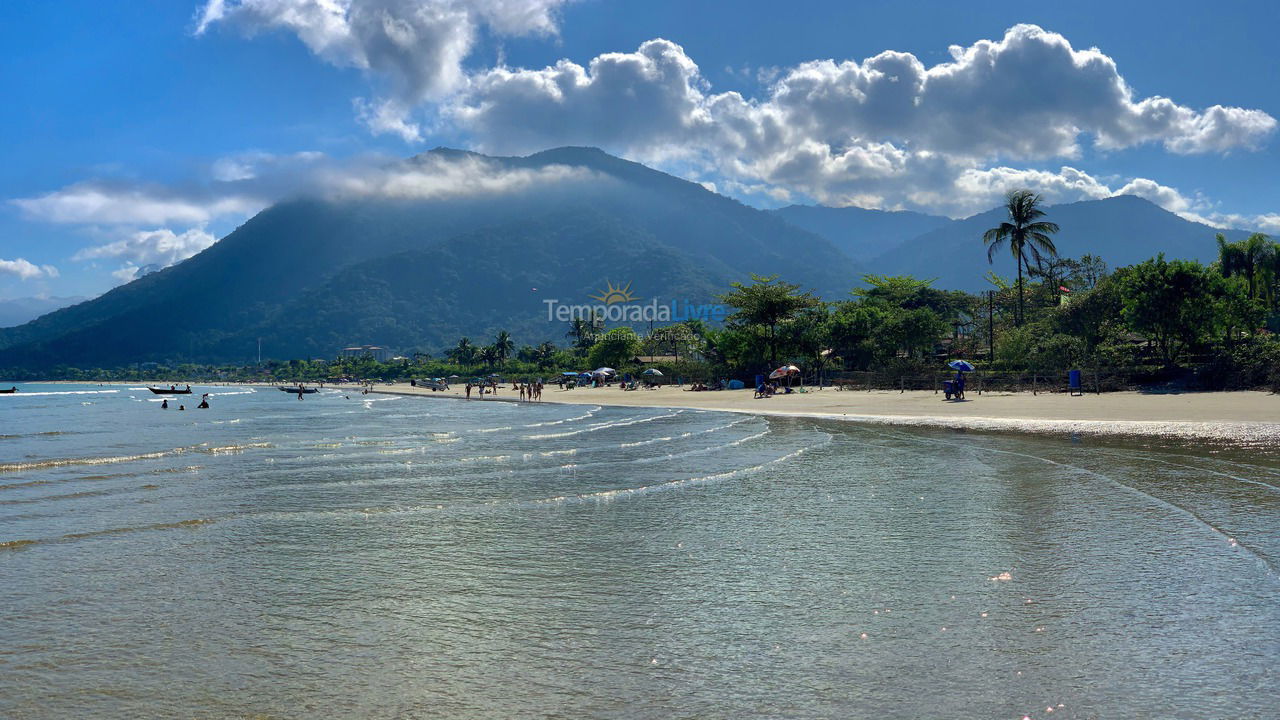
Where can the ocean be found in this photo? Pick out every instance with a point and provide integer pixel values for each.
(378, 556)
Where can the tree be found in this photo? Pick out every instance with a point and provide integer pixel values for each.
(1171, 302)
(1249, 257)
(464, 353)
(545, 354)
(1027, 235)
(585, 332)
(503, 346)
(766, 303)
(489, 356)
(614, 348)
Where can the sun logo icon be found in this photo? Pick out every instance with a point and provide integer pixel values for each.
(611, 294)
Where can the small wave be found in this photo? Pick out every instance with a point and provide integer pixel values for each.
(71, 537)
(60, 392)
(683, 436)
(234, 392)
(602, 426)
(575, 418)
(684, 482)
(706, 450)
(494, 429)
(224, 449)
(64, 462)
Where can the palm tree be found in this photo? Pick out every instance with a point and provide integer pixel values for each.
(1026, 233)
(488, 355)
(464, 353)
(545, 354)
(583, 333)
(503, 346)
(1249, 257)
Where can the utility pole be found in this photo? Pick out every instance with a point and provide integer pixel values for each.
(991, 326)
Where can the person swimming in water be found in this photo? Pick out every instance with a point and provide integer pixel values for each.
(164, 404)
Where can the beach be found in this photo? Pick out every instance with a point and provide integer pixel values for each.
(1249, 416)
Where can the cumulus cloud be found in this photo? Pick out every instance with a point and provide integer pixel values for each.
(160, 246)
(26, 270)
(886, 128)
(415, 49)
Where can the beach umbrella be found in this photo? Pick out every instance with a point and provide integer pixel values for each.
(961, 365)
(652, 371)
(784, 371)
(451, 377)
(569, 374)
(605, 371)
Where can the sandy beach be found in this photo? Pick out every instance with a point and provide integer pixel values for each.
(1243, 416)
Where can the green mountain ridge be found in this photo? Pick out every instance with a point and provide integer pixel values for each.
(310, 276)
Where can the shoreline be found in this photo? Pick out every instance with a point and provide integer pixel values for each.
(1251, 417)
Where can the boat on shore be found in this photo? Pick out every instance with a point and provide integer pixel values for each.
(296, 390)
(173, 390)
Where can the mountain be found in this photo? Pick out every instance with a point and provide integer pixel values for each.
(20, 310)
(860, 233)
(1121, 230)
(454, 243)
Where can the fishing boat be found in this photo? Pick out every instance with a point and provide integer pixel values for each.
(9, 391)
(172, 390)
(296, 390)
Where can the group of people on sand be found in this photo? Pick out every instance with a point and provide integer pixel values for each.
(204, 403)
(528, 391)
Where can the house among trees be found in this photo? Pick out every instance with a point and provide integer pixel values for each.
(377, 352)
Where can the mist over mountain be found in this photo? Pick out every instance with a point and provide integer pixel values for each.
(860, 233)
(19, 310)
(444, 244)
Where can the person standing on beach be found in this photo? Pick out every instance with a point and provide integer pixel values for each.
(522, 393)
(468, 391)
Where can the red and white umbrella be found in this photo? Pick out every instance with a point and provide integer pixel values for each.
(784, 371)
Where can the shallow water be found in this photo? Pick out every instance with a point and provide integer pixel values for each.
(376, 556)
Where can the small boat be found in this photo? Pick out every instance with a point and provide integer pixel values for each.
(296, 390)
(9, 391)
(170, 391)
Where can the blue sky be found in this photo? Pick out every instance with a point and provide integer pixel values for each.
(137, 133)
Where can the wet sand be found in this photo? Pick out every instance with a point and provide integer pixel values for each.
(1245, 415)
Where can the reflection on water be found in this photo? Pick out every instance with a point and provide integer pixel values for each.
(394, 557)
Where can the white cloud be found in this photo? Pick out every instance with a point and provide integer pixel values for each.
(414, 48)
(887, 127)
(432, 176)
(25, 270)
(160, 246)
(115, 204)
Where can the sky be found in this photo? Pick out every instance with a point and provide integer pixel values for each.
(136, 134)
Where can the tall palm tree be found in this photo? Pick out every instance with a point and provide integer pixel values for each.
(503, 346)
(1249, 257)
(1026, 233)
(583, 333)
(464, 353)
(545, 354)
(488, 355)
